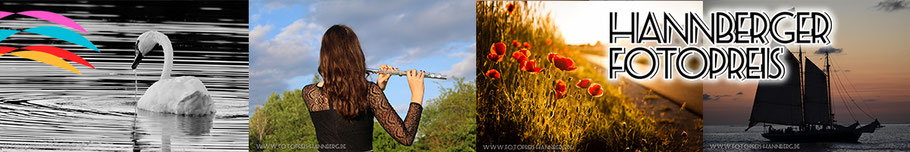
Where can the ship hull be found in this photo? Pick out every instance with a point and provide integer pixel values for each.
(815, 136)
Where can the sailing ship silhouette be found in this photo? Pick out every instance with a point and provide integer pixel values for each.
(803, 102)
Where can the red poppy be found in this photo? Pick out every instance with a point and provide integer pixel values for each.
(596, 90)
(565, 64)
(493, 74)
(510, 7)
(494, 57)
(515, 43)
(583, 83)
(549, 41)
(551, 56)
(520, 57)
(498, 48)
(527, 45)
(525, 51)
(560, 89)
(530, 67)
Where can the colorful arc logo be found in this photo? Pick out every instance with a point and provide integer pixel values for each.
(48, 54)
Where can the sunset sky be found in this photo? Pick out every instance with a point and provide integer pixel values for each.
(874, 59)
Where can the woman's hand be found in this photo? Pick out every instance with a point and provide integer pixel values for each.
(383, 78)
(415, 81)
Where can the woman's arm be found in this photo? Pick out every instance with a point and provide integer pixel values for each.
(401, 131)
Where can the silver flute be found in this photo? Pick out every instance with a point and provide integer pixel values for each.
(405, 73)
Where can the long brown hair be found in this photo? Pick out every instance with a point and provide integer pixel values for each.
(342, 66)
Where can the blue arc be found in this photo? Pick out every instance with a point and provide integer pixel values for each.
(6, 33)
(55, 32)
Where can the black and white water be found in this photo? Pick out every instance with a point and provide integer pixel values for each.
(45, 108)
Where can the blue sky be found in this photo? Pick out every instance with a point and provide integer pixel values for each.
(436, 36)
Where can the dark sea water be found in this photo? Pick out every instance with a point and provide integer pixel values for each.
(45, 108)
(892, 137)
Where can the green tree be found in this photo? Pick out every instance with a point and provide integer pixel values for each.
(282, 120)
(449, 121)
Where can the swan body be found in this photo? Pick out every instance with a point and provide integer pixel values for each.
(185, 95)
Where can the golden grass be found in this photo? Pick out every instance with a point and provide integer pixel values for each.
(522, 108)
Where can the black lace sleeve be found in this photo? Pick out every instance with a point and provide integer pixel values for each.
(313, 98)
(402, 131)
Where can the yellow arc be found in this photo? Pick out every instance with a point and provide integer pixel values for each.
(46, 58)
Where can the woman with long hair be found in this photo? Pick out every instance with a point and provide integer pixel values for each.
(344, 104)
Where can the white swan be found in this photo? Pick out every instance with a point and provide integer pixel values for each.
(181, 95)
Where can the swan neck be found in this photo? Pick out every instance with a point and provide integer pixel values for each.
(168, 56)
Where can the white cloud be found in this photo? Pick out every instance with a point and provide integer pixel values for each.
(402, 30)
(290, 53)
(410, 56)
(258, 33)
(467, 67)
(464, 69)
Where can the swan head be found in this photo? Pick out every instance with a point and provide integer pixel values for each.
(144, 44)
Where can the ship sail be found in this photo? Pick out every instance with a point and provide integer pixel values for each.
(778, 102)
(817, 108)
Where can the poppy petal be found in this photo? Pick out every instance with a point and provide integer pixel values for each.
(551, 56)
(565, 64)
(596, 90)
(498, 48)
(583, 83)
(493, 73)
(560, 89)
(529, 65)
(525, 51)
(520, 57)
(494, 57)
(536, 69)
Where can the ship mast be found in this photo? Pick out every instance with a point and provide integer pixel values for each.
(828, 85)
(802, 87)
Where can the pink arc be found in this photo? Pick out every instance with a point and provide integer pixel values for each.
(49, 16)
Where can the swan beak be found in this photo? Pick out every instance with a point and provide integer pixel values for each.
(137, 59)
